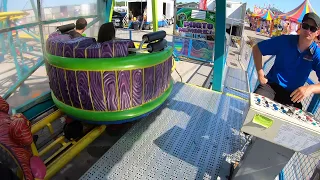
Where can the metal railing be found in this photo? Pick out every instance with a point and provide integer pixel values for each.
(300, 166)
(22, 46)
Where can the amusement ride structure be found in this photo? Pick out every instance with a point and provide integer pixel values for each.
(181, 131)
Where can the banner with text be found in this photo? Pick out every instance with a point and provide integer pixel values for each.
(191, 26)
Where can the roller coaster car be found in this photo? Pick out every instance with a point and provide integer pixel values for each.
(102, 83)
(17, 159)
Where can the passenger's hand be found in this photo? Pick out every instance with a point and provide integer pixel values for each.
(262, 79)
(301, 93)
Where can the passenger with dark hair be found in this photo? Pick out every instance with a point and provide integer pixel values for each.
(81, 25)
(107, 32)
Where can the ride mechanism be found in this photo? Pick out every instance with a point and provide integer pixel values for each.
(98, 84)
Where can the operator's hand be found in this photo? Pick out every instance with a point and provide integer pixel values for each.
(262, 78)
(301, 93)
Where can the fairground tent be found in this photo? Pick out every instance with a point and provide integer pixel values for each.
(297, 14)
(268, 15)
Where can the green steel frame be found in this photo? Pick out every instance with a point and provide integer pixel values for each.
(23, 72)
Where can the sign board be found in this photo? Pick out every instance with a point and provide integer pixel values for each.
(192, 25)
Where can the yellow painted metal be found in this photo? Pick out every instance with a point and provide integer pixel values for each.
(23, 35)
(64, 146)
(236, 97)
(137, 45)
(34, 149)
(19, 173)
(14, 15)
(50, 128)
(45, 121)
(173, 65)
(67, 156)
(59, 140)
(154, 15)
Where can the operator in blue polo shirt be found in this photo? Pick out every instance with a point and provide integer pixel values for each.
(296, 57)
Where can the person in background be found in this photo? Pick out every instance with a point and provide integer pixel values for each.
(130, 19)
(81, 25)
(294, 29)
(130, 16)
(296, 57)
(107, 32)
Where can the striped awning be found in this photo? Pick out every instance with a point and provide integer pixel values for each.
(297, 14)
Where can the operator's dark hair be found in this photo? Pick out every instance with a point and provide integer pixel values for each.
(81, 23)
(107, 32)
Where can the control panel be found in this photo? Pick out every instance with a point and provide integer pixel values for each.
(287, 126)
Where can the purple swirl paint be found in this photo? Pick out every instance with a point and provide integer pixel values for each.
(159, 79)
(136, 87)
(109, 80)
(84, 90)
(63, 86)
(148, 83)
(72, 86)
(96, 90)
(124, 89)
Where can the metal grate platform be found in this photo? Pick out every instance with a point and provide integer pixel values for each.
(187, 138)
(236, 78)
(235, 92)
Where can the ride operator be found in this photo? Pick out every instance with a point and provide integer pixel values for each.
(296, 56)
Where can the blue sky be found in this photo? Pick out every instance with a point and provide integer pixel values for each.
(285, 5)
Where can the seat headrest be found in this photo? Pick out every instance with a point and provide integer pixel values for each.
(150, 37)
(66, 28)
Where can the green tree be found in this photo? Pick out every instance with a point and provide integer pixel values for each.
(249, 11)
(120, 3)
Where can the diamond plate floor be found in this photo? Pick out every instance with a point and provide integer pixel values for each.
(236, 78)
(187, 138)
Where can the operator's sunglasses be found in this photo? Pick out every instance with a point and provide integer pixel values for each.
(308, 27)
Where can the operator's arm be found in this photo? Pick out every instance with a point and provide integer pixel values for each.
(263, 48)
(304, 91)
(257, 57)
(316, 67)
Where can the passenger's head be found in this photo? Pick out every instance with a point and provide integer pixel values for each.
(107, 32)
(81, 24)
(310, 26)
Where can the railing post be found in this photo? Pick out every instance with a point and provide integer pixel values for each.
(109, 10)
(250, 64)
(154, 15)
(314, 104)
(219, 48)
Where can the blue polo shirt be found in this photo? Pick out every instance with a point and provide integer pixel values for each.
(291, 68)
